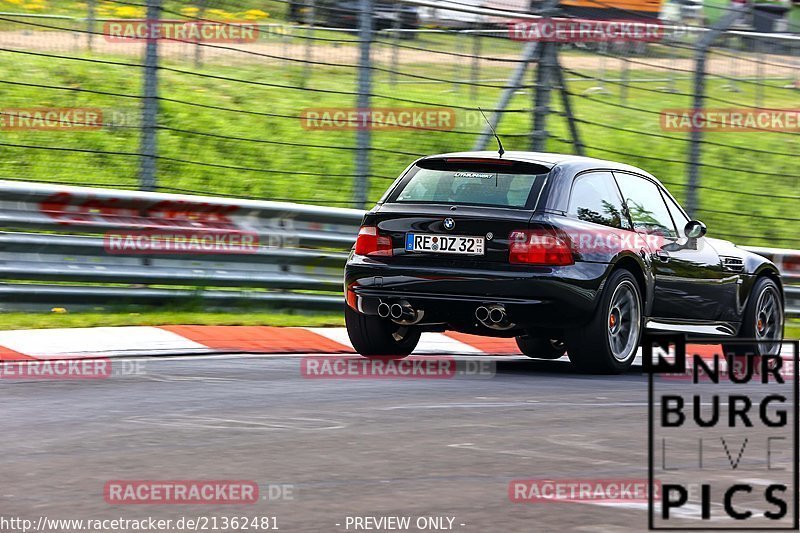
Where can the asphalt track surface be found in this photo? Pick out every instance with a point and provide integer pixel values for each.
(348, 447)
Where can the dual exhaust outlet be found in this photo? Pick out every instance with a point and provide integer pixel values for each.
(494, 317)
(401, 312)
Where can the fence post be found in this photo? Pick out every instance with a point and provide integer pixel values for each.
(625, 74)
(544, 83)
(91, 17)
(572, 122)
(541, 97)
(476, 63)
(696, 139)
(149, 149)
(395, 38)
(457, 36)
(602, 49)
(361, 184)
(673, 57)
(512, 86)
(198, 50)
(309, 49)
(760, 72)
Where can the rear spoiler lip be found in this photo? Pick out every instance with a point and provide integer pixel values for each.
(503, 161)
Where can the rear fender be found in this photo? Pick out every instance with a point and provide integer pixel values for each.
(639, 265)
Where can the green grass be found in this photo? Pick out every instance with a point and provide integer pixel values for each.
(45, 15)
(234, 153)
(10, 321)
(206, 149)
(230, 9)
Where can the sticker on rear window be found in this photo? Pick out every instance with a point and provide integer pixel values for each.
(481, 175)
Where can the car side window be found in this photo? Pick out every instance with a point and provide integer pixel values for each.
(595, 198)
(677, 215)
(646, 207)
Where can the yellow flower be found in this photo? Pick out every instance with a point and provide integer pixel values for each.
(220, 13)
(255, 14)
(130, 12)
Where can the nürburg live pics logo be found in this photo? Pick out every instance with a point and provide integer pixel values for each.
(723, 429)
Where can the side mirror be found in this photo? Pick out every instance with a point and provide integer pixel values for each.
(694, 229)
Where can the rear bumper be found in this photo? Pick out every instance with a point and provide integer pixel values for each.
(533, 296)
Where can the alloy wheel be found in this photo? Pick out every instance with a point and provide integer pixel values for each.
(769, 320)
(624, 321)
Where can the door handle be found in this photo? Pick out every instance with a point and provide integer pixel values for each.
(663, 256)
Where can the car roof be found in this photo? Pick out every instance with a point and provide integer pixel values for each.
(574, 163)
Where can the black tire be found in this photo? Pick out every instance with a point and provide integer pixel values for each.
(373, 336)
(541, 347)
(772, 326)
(590, 347)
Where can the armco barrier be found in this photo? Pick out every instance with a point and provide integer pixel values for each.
(53, 250)
(788, 261)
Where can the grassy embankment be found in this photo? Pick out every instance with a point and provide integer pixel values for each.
(159, 318)
(213, 151)
(259, 168)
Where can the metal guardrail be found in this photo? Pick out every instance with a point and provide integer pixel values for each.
(788, 262)
(54, 250)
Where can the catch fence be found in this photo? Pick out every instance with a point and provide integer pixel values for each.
(302, 111)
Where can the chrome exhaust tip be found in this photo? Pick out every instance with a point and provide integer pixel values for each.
(397, 311)
(497, 315)
(384, 310)
(404, 314)
(494, 316)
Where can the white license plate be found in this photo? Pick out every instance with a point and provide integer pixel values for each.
(444, 244)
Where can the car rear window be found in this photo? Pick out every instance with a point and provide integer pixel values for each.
(471, 182)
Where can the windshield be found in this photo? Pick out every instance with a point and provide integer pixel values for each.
(470, 183)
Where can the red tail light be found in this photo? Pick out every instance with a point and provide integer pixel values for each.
(538, 248)
(370, 242)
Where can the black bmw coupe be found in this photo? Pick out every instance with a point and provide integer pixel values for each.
(567, 254)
